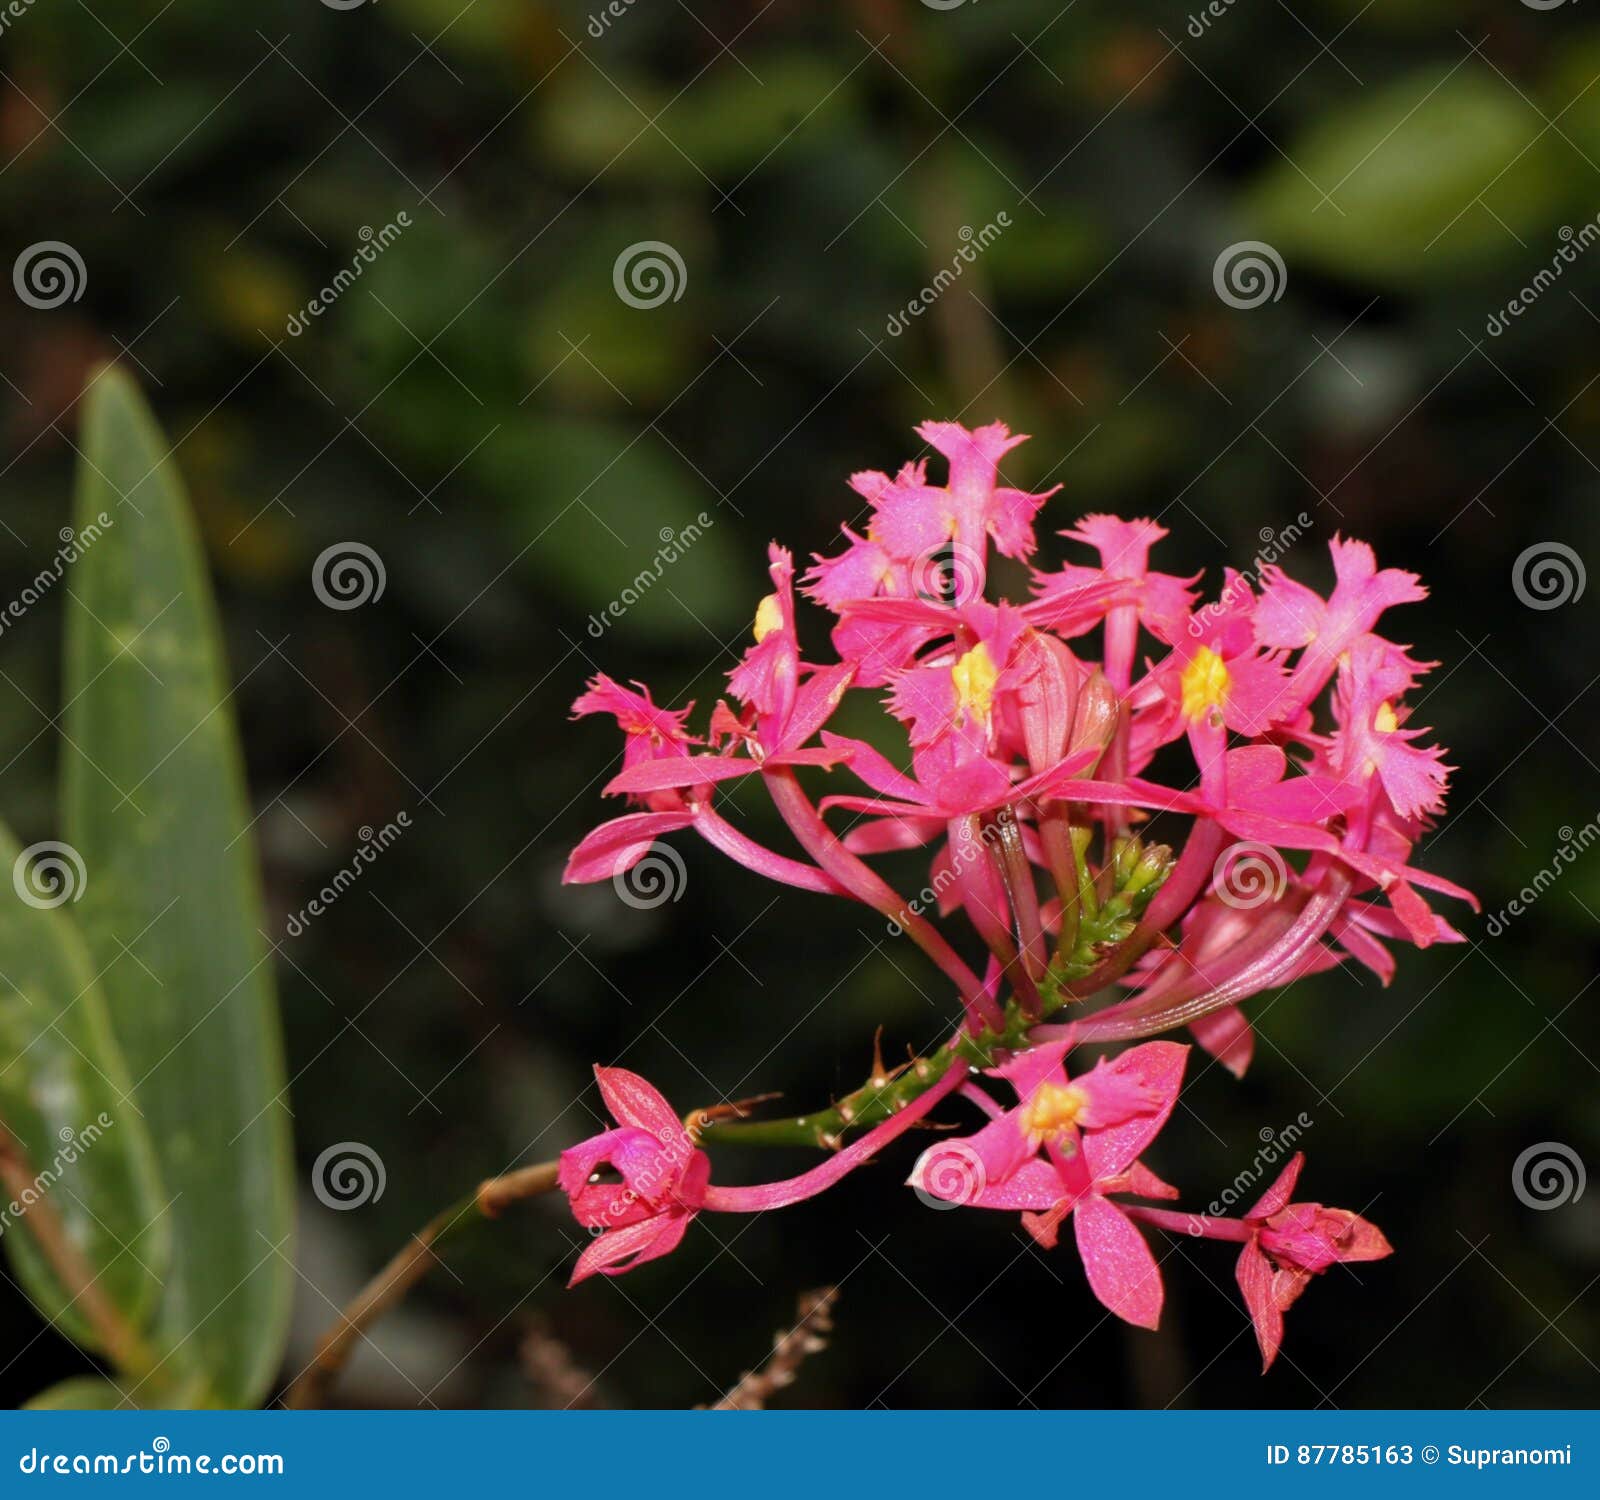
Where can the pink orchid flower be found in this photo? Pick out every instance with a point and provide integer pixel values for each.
(1283, 1245)
(661, 1179)
(1291, 615)
(1370, 740)
(1289, 1244)
(1067, 1144)
(1160, 600)
(1030, 748)
(655, 739)
(969, 511)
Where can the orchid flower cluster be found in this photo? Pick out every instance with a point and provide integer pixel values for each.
(1027, 770)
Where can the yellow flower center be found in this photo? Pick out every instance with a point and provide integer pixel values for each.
(974, 676)
(769, 617)
(1053, 1109)
(1204, 683)
(1386, 722)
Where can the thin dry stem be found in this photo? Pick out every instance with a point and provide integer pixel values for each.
(405, 1269)
(117, 1337)
(499, 1193)
(790, 1350)
(550, 1366)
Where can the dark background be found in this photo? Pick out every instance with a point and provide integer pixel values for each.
(510, 437)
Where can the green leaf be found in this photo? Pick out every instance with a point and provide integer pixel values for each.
(627, 532)
(65, 1096)
(80, 1393)
(153, 799)
(729, 126)
(1436, 173)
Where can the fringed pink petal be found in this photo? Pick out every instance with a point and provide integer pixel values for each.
(1158, 1068)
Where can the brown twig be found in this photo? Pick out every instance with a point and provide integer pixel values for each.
(499, 1193)
(790, 1350)
(117, 1337)
(549, 1365)
(405, 1269)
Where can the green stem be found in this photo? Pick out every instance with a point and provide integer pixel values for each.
(883, 1095)
(1139, 873)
